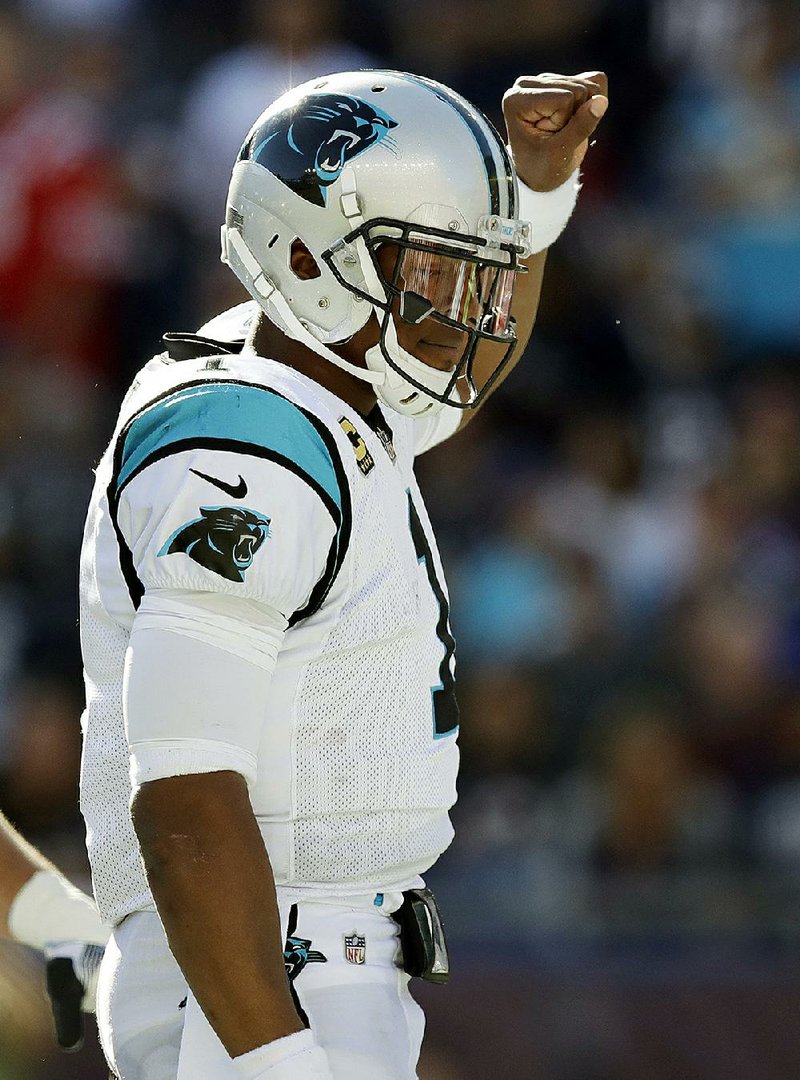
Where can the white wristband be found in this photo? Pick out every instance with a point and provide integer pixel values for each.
(547, 211)
(294, 1057)
(48, 909)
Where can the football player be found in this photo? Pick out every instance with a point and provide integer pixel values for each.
(40, 908)
(270, 735)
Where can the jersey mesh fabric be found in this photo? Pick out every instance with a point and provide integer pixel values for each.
(372, 784)
(118, 876)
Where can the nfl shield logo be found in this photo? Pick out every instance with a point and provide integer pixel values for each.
(355, 948)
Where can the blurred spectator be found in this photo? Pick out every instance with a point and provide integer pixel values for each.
(81, 13)
(55, 422)
(646, 828)
(507, 722)
(734, 176)
(724, 650)
(701, 34)
(646, 804)
(515, 598)
(776, 832)
(39, 791)
(63, 234)
(595, 504)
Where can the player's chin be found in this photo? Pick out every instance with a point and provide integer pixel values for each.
(442, 357)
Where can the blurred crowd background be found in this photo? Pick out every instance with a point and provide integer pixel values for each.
(621, 526)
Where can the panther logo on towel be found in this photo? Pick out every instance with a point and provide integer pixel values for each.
(225, 539)
(307, 150)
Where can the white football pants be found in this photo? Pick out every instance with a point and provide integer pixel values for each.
(356, 999)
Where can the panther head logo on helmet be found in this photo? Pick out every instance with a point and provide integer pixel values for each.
(225, 539)
(308, 148)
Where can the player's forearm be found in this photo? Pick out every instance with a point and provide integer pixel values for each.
(213, 887)
(524, 307)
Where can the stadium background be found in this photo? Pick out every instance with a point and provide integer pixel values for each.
(621, 526)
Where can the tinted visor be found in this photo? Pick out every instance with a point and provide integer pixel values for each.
(468, 293)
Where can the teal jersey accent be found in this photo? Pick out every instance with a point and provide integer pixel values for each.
(234, 416)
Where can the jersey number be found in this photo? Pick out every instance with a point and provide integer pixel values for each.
(445, 706)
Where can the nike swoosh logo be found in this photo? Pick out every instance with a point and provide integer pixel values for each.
(236, 491)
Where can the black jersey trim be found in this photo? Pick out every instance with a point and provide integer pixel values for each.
(126, 564)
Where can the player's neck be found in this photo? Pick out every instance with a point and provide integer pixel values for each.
(269, 341)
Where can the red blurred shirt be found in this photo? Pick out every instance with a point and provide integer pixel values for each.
(62, 231)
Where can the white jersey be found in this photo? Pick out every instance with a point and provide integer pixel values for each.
(234, 475)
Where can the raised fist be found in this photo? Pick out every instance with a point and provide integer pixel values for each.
(550, 119)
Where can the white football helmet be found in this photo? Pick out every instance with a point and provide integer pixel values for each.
(351, 161)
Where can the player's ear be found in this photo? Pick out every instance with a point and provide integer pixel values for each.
(303, 264)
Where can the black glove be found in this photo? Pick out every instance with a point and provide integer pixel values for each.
(72, 970)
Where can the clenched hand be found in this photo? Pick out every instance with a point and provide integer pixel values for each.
(550, 119)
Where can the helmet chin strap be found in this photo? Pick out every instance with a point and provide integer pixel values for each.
(397, 392)
(390, 387)
(275, 306)
(278, 310)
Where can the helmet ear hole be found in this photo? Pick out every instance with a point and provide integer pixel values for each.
(301, 262)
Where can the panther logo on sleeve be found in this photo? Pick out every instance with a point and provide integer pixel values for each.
(224, 539)
(308, 150)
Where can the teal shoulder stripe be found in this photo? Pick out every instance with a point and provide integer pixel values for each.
(234, 412)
